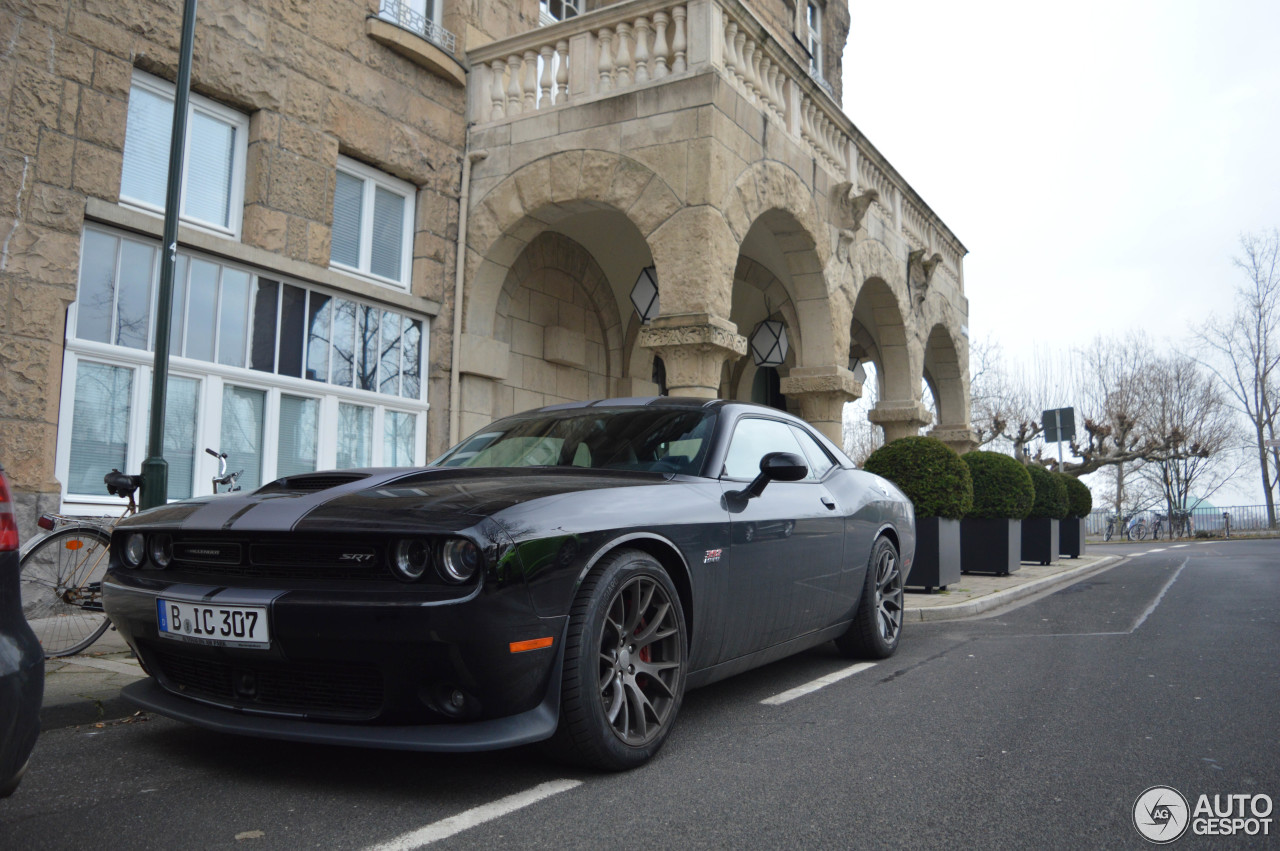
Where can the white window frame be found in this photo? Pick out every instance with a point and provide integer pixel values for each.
(545, 18)
(218, 112)
(813, 36)
(373, 179)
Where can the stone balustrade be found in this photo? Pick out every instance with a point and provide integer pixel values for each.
(630, 45)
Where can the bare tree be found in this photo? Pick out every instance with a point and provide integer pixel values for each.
(1188, 412)
(1244, 351)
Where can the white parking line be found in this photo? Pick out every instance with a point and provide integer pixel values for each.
(486, 812)
(1175, 546)
(820, 682)
(1160, 550)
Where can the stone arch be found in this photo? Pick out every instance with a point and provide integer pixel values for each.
(879, 314)
(772, 196)
(776, 298)
(560, 319)
(503, 223)
(944, 372)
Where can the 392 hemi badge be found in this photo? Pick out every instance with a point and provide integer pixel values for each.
(712, 555)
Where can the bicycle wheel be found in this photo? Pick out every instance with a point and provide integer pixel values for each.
(1110, 531)
(62, 588)
(1155, 532)
(1141, 531)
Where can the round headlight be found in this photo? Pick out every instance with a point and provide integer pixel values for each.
(459, 560)
(162, 550)
(409, 560)
(135, 549)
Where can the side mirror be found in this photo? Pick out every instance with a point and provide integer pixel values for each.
(775, 466)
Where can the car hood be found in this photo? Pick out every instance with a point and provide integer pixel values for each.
(444, 499)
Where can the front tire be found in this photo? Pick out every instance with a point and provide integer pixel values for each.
(625, 659)
(877, 625)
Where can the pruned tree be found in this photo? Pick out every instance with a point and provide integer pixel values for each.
(1188, 413)
(1243, 349)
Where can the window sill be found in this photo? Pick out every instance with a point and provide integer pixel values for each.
(417, 50)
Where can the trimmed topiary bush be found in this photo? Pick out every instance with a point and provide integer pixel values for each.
(1001, 486)
(1079, 497)
(1051, 494)
(929, 472)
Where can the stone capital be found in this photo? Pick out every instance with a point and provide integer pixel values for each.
(822, 392)
(900, 419)
(694, 348)
(822, 379)
(961, 438)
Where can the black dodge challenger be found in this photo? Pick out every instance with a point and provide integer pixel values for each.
(563, 576)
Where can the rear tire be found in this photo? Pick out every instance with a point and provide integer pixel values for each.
(625, 659)
(877, 625)
(62, 588)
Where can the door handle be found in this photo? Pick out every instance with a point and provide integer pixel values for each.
(829, 502)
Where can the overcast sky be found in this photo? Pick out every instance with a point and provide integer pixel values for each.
(1099, 160)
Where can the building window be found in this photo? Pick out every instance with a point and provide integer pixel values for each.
(554, 11)
(284, 378)
(813, 37)
(372, 224)
(213, 161)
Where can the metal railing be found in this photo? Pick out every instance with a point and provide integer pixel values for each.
(403, 15)
(1243, 519)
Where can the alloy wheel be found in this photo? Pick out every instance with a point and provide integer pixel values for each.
(640, 661)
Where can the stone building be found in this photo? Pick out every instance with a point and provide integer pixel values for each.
(402, 218)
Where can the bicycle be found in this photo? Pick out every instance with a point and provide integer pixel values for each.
(1111, 527)
(1158, 526)
(1184, 524)
(1137, 528)
(62, 572)
(223, 477)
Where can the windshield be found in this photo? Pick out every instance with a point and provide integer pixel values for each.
(649, 439)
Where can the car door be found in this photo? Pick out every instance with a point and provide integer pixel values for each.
(786, 544)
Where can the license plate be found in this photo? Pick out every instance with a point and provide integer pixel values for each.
(206, 623)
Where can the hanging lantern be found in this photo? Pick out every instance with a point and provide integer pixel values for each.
(644, 295)
(769, 343)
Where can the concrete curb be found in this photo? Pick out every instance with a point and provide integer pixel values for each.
(970, 608)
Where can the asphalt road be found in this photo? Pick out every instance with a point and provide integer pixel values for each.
(1034, 727)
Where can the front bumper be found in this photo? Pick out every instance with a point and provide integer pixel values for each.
(371, 667)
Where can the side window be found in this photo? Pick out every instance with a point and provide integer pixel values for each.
(819, 461)
(753, 438)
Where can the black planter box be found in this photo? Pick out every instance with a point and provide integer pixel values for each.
(990, 545)
(937, 562)
(1071, 537)
(1040, 539)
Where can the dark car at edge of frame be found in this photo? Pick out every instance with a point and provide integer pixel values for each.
(21, 659)
(562, 576)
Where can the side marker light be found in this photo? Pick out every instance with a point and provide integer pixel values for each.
(531, 644)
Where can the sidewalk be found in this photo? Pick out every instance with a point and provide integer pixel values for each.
(85, 689)
(975, 594)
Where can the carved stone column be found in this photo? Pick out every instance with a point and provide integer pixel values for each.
(694, 348)
(900, 419)
(822, 392)
(961, 438)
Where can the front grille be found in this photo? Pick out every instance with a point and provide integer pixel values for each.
(207, 553)
(281, 558)
(336, 692)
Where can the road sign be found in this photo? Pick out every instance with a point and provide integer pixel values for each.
(1059, 424)
(1271, 444)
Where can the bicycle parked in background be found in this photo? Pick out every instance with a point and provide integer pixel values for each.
(62, 572)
